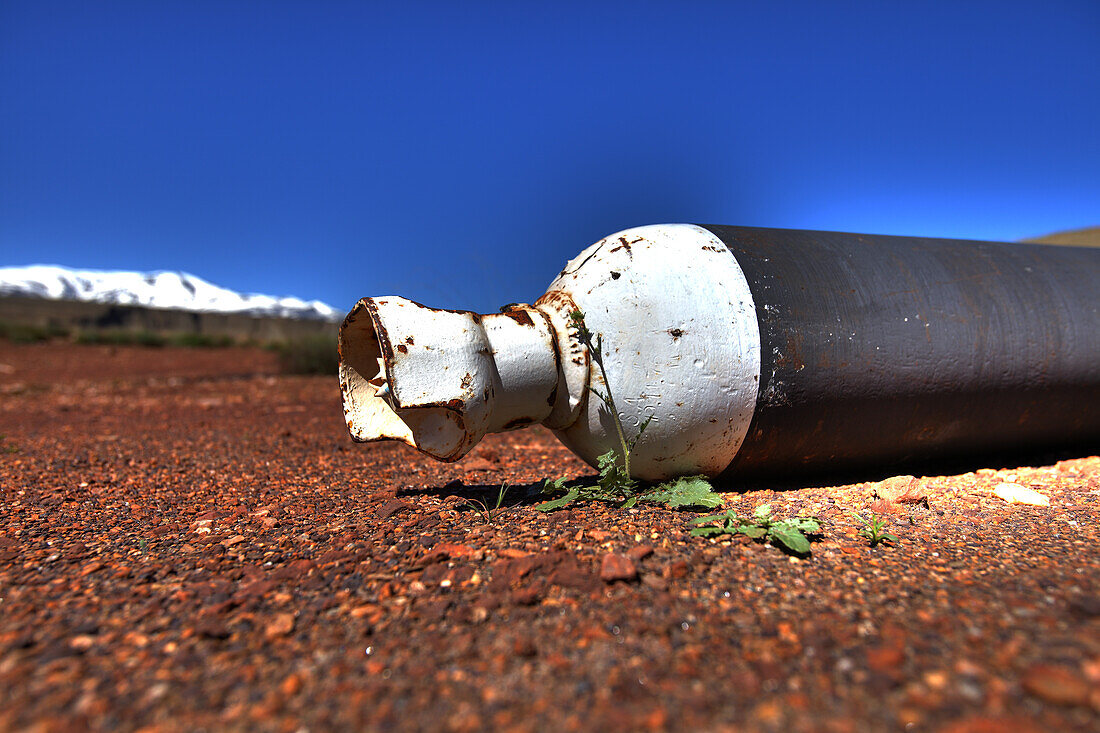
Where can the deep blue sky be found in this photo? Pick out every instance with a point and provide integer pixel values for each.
(460, 153)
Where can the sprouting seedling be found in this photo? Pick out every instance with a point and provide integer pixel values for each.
(615, 483)
(790, 533)
(873, 530)
(595, 349)
(484, 508)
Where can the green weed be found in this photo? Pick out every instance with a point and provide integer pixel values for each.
(790, 533)
(874, 530)
(484, 508)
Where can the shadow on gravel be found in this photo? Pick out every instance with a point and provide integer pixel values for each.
(489, 495)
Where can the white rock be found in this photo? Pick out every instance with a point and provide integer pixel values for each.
(1017, 494)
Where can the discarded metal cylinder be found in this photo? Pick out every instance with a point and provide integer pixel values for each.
(754, 351)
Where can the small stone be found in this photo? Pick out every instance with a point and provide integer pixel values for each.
(1086, 606)
(392, 507)
(885, 659)
(91, 568)
(617, 567)
(212, 628)
(677, 570)
(936, 679)
(527, 596)
(901, 490)
(235, 539)
(1017, 494)
(370, 611)
(281, 625)
(657, 719)
(639, 552)
(291, 685)
(448, 550)
(81, 642)
(1056, 684)
(524, 647)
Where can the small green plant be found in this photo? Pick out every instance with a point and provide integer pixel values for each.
(874, 530)
(615, 484)
(484, 508)
(790, 533)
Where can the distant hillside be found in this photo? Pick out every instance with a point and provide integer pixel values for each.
(44, 316)
(1088, 237)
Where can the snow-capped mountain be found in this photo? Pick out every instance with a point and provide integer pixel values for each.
(175, 290)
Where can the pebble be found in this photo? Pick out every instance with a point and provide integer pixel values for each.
(281, 625)
(1017, 494)
(82, 642)
(524, 647)
(901, 490)
(477, 464)
(885, 659)
(1056, 684)
(291, 685)
(392, 507)
(617, 567)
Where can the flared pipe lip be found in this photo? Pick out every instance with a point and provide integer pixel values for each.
(373, 409)
(440, 380)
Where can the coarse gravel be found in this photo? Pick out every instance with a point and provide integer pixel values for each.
(189, 540)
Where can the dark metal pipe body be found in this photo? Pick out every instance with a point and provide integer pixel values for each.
(881, 349)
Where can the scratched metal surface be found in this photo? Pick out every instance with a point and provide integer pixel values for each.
(894, 349)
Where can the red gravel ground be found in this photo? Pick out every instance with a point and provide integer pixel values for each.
(189, 540)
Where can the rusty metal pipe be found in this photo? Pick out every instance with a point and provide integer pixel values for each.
(755, 351)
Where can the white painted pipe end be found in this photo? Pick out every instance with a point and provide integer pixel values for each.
(440, 380)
